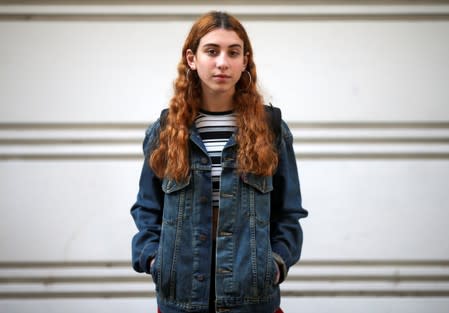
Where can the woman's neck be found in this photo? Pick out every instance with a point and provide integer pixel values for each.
(213, 102)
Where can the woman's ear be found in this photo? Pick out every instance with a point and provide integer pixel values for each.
(190, 57)
(245, 61)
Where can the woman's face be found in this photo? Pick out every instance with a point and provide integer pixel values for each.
(219, 61)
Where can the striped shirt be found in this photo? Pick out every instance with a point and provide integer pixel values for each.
(215, 129)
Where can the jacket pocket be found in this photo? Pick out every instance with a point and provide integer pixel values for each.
(177, 200)
(256, 203)
(174, 200)
(257, 196)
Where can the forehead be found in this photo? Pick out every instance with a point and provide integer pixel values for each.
(222, 38)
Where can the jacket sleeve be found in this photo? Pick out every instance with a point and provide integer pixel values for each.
(286, 209)
(148, 208)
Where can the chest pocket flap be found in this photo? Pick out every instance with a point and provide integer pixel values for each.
(263, 184)
(171, 185)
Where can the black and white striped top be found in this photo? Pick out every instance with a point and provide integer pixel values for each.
(215, 129)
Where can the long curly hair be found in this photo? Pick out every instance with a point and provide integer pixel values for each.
(256, 151)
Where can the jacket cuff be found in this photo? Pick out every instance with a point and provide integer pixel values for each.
(147, 254)
(282, 267)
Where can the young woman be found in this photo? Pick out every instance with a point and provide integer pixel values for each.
(219, 201)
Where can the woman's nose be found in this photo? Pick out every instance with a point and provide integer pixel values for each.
(222, 61)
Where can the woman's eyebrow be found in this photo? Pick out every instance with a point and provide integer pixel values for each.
(236, 45)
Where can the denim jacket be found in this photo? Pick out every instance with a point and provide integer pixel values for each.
(258, 225)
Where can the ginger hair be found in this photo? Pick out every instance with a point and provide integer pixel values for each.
(256, 151)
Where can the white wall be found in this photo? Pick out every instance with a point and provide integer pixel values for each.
(363, 87)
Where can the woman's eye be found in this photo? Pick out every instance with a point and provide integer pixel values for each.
(211, 52)
(234, 53)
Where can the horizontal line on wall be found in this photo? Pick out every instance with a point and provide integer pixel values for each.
(371, 125)
(378, 263)
(71, 157)
(313, 140)
(370, 140)
(299, 156)
(240, 2)
(367, 293)
(299, 140)
(308, 278)
(319, 263)
(369, 278)
(372, 156)
(96, 279)
(287, 293)
(73, 126)
(67, 264)
(248, 11)
(442, 124)
(76, 295)
(82, 141)
(244, 17)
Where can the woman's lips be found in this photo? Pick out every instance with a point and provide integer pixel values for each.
(221, 77)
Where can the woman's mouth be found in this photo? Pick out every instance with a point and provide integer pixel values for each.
(221, 77)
